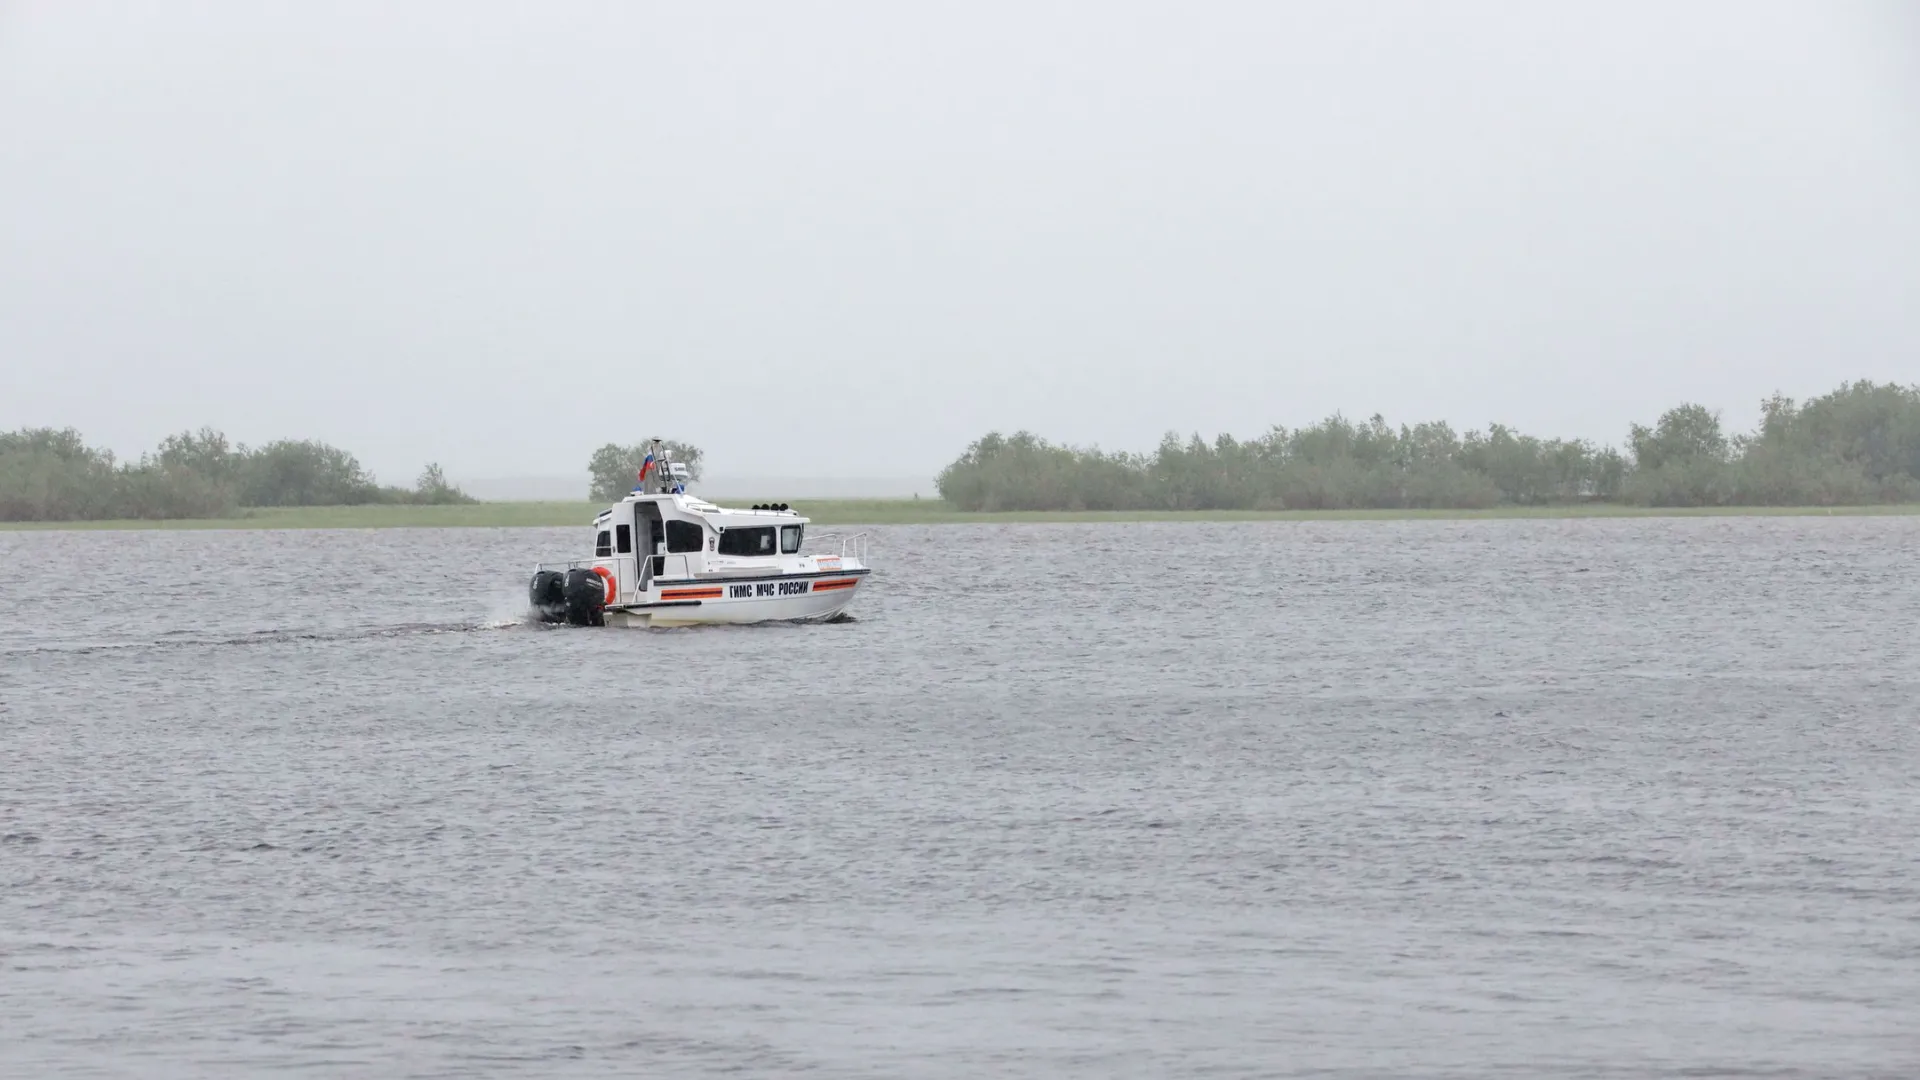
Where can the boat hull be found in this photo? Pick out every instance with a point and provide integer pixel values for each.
(731, 602)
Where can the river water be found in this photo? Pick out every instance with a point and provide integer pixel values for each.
(1463, 799)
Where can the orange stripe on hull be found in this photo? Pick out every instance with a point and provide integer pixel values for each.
(691, 594)
(829, 586)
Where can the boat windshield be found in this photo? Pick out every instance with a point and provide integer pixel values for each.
(749, 541)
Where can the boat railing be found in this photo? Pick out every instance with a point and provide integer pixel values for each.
(821, 545)
(852, 546)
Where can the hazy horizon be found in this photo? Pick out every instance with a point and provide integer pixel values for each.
(845, 242)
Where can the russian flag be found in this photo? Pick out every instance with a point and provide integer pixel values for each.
(646, 465)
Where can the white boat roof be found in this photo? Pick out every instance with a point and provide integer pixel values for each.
(723, 516)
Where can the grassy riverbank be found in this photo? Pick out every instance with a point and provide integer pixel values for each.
(838, 512)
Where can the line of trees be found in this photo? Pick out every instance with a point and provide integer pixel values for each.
(1859, 444)
(53, 475)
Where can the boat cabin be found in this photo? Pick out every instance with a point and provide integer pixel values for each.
(670, 538)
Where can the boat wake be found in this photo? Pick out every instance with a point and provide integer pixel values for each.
(185, 639)
(190, 639)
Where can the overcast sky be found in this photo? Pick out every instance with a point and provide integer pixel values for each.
(852, 237)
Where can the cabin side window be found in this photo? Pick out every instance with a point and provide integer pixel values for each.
(754, 541)
(603, 544)
(790, 539)
(685, 536)
(623, 536)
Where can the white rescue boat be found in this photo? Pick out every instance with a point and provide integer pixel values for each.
(663, 557)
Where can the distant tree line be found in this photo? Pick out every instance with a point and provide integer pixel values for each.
(1857, 445)
(53, 475)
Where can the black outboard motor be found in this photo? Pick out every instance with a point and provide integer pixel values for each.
(547, 596)
(586, 598)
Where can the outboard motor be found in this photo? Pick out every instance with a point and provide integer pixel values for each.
(586, 598)
(547, 596)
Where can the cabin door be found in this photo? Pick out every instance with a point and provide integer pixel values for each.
(653, 547)
(625, 566)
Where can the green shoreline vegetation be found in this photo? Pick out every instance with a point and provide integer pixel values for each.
(1857, 446)
(53, 475)
(1853, 451)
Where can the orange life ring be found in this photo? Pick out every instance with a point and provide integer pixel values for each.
(613, 590)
